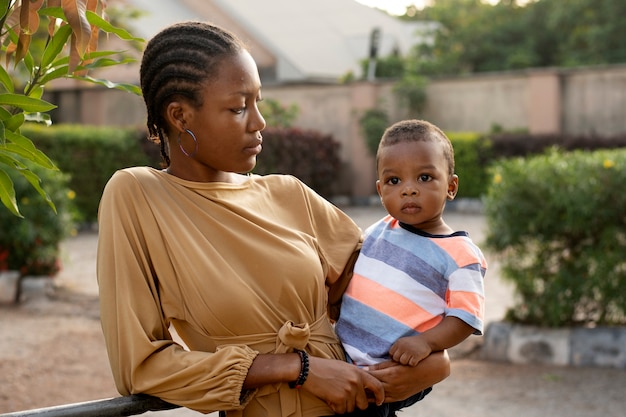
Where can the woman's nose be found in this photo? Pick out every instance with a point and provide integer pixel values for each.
(258, 122)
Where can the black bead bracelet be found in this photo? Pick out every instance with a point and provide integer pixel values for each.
(304, 370)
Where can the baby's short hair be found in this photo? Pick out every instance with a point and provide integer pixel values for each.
(414, 130)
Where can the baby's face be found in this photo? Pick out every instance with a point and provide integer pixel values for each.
(414, 182)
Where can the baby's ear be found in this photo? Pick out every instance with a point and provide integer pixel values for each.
(453, 187)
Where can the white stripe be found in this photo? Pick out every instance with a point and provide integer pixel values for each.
(399, 282)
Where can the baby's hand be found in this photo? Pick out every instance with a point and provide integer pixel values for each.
(410, 350)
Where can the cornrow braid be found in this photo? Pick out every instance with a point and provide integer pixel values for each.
(417, 131)
(176, 63)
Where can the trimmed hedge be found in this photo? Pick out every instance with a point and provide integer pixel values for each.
(305, 154)
(90, 155)
(476, 153)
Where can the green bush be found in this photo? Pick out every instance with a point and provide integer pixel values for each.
(30, 244)
(90, 155)
(307, 155)
(559, 222)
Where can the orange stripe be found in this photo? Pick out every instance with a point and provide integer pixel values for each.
(459, 252)
(391, 303)
(468, 301)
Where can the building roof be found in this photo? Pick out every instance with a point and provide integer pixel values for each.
(301, 40)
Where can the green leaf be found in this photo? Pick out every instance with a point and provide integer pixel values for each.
(53, 12)
(36, 183)
(7, 159)
(29, 62)
(5, 79)
(5, 114)
(7, 193)
(99, 22)
(55, 46)
(4, 8)
(37, 91)
(14, 122)
(59, 72)
(27, 104)
(105, 62)
(100, 54)
(2, 134)
(130, 88)
(23, 146)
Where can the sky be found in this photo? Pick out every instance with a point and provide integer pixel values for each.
(396, 7)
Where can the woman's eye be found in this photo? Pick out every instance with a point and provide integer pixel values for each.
(239, 110)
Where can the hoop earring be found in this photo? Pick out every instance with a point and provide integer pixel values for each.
(195, 141)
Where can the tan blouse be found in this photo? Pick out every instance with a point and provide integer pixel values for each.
(235, 269)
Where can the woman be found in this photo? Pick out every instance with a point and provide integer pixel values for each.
(239, 266)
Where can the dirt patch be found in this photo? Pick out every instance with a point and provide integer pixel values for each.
(52, 353)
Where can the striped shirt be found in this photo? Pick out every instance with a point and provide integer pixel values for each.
(405, 282)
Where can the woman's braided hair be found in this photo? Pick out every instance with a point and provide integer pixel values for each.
(176, 63)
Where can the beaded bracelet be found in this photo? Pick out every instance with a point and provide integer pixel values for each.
(304, 370)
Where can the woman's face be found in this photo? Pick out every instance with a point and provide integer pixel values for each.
(227, 126)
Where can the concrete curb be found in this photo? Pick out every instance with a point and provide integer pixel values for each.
(519, 344)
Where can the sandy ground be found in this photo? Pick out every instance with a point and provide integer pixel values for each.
(52, 353)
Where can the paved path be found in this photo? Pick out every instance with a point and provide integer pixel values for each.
(476, 388)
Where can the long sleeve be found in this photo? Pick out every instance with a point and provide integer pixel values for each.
(143, 356)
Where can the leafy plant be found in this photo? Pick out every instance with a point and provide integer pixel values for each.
(31, 245)
(70, 50)
(558, 220)
(472, 156)
(373, 124)
(411, 91)
(277, 115)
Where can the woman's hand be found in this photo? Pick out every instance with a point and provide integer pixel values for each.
(401, 381)
(343, 386)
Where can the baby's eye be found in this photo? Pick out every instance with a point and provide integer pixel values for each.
(425, 178)
(393, 181)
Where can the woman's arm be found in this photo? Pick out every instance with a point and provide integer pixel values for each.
(344, 387)
(400, 381)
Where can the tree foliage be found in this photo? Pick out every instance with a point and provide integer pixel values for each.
(70, 31)
(474, 36)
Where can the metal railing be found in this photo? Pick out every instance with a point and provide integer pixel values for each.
(113, 407)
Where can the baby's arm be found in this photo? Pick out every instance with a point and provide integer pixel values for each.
(412, 349)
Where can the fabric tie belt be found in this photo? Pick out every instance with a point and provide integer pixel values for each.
(314, 338)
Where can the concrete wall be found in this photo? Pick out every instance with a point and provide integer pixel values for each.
(594, 101)
(576, 101)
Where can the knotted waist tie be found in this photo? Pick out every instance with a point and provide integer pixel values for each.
(309, 337)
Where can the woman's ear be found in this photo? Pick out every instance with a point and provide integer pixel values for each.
(453, 187)
(175, 115)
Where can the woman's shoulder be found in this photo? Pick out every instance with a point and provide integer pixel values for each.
(131, 178)
(138, 173)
